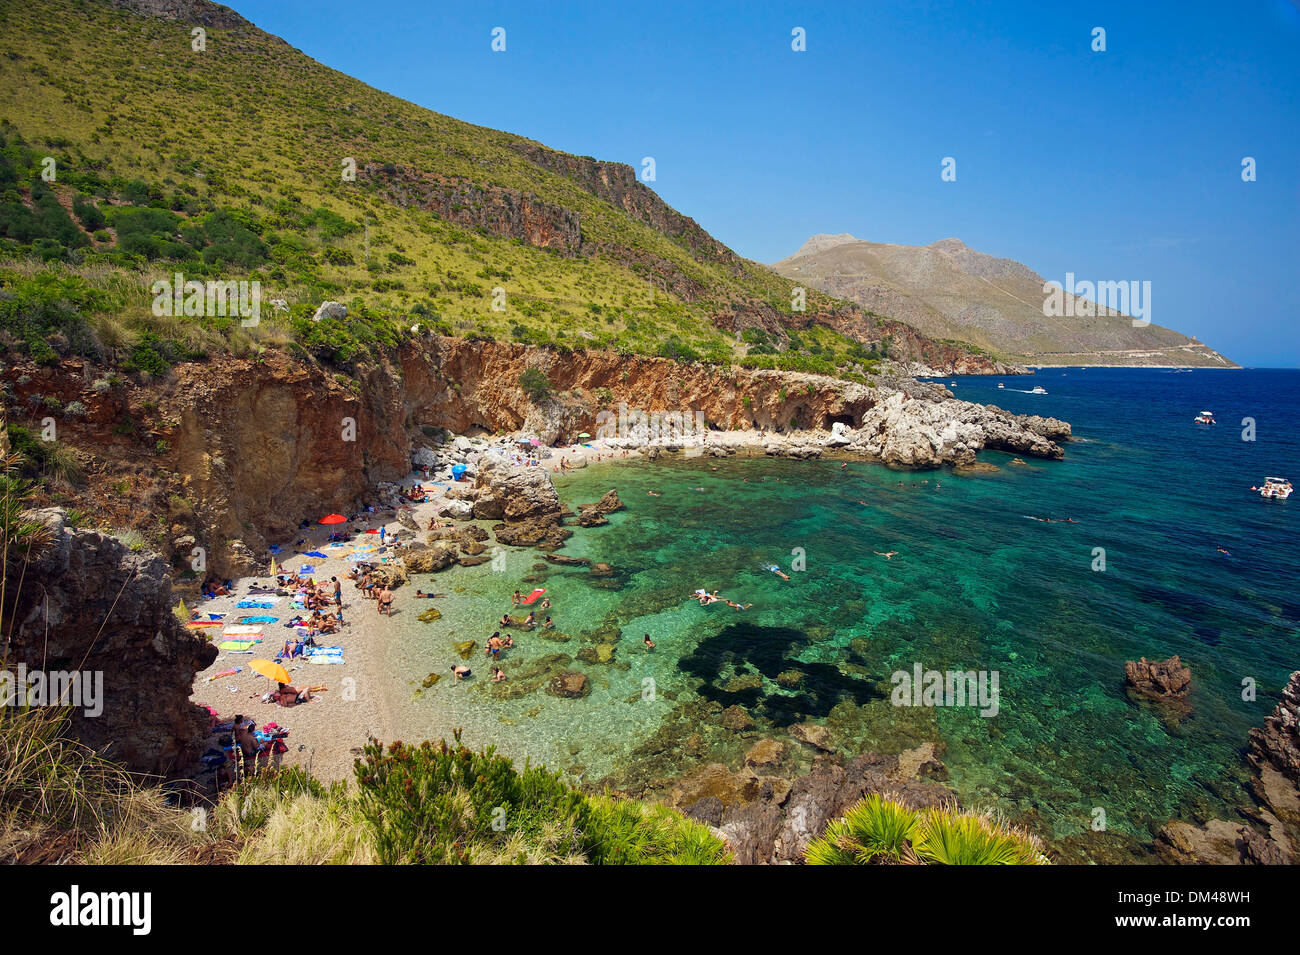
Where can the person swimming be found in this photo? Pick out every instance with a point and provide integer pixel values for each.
(890, 555)
(460, 672)
(649, 644)
(777, 570)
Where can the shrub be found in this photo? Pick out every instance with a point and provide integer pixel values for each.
(879, 830)
(536, 385)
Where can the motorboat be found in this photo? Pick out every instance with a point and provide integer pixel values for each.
(1205, 417)
(1276, 488)
(1000, 385)
(1037, 390)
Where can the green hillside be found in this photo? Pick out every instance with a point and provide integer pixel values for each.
(227, 163)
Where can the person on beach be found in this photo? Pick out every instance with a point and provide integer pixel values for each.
(516, 598)
(505, 621)
(546, 603)
(338, 591)
(386, 602)
(289, 695)
(649, 644)
(460, 672)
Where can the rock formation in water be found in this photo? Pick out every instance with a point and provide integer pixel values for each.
(1268, 832)
(1158, 679)
(89, 604)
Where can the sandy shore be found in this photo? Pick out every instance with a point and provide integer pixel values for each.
(326, 733)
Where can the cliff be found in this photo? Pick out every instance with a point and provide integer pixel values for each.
(232, 453)
(87, 604)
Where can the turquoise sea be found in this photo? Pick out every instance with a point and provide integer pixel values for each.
(975, 585)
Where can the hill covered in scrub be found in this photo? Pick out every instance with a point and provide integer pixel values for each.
(948, 290)
(129, 155)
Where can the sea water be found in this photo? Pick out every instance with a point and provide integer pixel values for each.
(976, 584)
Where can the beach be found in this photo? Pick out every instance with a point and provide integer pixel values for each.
(326, 733)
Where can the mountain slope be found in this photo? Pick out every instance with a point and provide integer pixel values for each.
(230, 160)
(950, 291)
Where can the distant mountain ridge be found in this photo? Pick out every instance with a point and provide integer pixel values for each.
(949, 291)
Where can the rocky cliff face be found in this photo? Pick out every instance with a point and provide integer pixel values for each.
(89, 605)
(1269, 831)
(231, 454)
(494, 209)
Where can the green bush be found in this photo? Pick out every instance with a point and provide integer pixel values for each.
(536, 385)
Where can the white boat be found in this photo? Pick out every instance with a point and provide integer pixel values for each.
(1038, 390)
(1000, 385)
(1276, 488)
(1205, 417)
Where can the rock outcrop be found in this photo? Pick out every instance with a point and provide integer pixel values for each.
(89, 604)
(593, 515)
(766, 820)
(1158, 679)
(1269, 832)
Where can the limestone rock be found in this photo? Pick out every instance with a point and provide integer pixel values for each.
(1158, 679)
(330, 310)
(570, 685)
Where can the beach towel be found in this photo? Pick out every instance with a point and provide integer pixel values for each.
(533, 596)
(316, 553)
(218, 676)
(238, 646)
(204, 623)
(248, 620)
(216, 616)
(242, 630)
(256, 604)
(307, 569)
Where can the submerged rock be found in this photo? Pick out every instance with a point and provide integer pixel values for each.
(570, 685)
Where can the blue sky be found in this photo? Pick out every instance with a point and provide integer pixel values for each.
(1115, 165)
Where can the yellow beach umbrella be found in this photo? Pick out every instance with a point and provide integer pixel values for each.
(272, 671)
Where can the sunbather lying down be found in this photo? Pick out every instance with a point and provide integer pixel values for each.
(289, 695)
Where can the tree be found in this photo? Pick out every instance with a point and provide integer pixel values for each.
(536, 385)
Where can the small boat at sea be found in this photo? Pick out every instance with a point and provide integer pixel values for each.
(1037, 390)
(1205, 417)
(1276, 488)
(1000, 385)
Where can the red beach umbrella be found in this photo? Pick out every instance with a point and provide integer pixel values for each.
(333, 519)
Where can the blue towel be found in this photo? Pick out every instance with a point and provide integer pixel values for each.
(275, 548)
(315, 553)
(254, 605)
(307, 569)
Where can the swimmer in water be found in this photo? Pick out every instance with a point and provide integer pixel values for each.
(654, 493)
(777, 570)
(649, 644)
(888, 556)
(1222, 551)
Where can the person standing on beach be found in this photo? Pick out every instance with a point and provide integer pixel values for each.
(386, 601)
